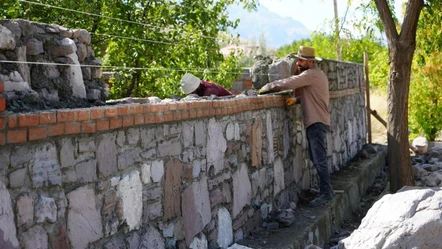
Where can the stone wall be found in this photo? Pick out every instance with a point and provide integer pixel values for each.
(173, 174)
(48, 63)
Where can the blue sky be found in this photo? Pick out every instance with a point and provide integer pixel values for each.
(314, 13)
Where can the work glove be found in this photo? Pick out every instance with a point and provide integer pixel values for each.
(264, 89)
(290, 101)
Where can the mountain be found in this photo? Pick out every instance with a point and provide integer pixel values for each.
(277, 30)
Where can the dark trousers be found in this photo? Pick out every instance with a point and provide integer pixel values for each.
(318, 154)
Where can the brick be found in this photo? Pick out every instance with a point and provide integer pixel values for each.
(155, 108)
(27, 120)
(150, 119)
(135, 109)
(12, 121)
(2, 138)
(184, 114)
(48, 117)
(110, 112)
(115, 123)
(2, 86)
(182, 105)
(97, 113)
(16, 136)
(2, 122)
(81, 115)
(102, 125)
(163, 107)
(123, 110)
(159, 118)
(2, 104)
(147, 108)
(55, 130)
(177, 116)
(139, 119)
(88, 127)
(37, 133)
(65, 116)
(72, 128)
(173, 106)
(128, 121)
(247, 83)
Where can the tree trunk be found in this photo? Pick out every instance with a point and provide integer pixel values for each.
(399, 163)
(401, 47)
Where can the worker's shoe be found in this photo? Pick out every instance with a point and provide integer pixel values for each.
(321, 199)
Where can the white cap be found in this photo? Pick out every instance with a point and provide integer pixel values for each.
(189, 83)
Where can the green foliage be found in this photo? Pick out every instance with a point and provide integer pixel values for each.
(425, 103)
(150, 44)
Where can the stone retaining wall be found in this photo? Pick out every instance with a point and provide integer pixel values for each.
(183, 174)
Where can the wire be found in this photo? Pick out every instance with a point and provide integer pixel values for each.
(207, 70)
(108, 17)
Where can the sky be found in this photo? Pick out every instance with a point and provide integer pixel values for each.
(314, 13)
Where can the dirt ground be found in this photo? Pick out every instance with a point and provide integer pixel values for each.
(378, 102)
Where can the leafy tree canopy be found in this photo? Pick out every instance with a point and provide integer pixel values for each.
(150, 44)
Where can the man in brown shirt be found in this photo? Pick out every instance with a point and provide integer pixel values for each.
(314, 99)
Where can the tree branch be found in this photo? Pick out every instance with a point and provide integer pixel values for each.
(409, 26)
(387, 19)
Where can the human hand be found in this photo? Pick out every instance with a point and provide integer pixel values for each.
(264, 89)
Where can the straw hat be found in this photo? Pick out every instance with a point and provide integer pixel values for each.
(307, 53)
(189, 83)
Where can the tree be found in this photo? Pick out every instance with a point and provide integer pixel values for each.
(149, 43)
(425, 105)
(401, 47)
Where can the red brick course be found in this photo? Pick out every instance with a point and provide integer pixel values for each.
(20, 128)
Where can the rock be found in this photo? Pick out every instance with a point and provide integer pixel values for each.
(420, 145)
(390, 222)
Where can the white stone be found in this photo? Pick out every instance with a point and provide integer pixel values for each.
(216, 146)
(225, 232)
(157, 170)
(115, 180)
(237, 132)
(409, 218)
(76, 76)
(7, 224)
(278, 174)
(130, 192)
(421, 145)
(7, 40)
(45, 210)
(84, 221)
(238, 246)
(196, 168)
(168, 230)
(242, 189)
(199, 243)
(145, 173)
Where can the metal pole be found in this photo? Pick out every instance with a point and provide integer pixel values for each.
(367, 97)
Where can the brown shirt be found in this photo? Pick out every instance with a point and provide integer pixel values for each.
(314, 94)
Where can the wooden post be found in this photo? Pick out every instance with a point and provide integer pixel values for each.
(367, 97)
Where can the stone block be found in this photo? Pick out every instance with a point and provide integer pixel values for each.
(130, 193)
(171, 189)
(45, 167)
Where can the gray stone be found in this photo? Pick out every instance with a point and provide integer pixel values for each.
(45, 168)
(34, 47)
(7, 39)
(130, 193)
(242, 190)
(216, 146)
(188, 131)
(14, 27)
(7, 226)
(74, 76)
(153, 194)
(152, 239)
(45, 210)
(258, 180)
(157, 170)
(93, 94)
(86, 171)
(225, 232)
(23, 68)
(81, 52)
(5, 159)
(171, 147)
(82, 36)
(86, 145)
(19, 178)
(86, 71)
(153, 211)
(279, 69)
(196, 209)
(96, 73)
(133, 136)
(200, 133)
(168, 230)
(128, 158)
(35, 238)
(68, 175)
(106, 154)
(84, 220)
(62, 48)
(67, 152)
(25, 211)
